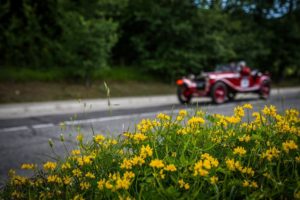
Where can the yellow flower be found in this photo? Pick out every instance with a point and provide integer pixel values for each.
(194, 121)
(270, 154)
(183, 131)
(179, 118)
(122, 184)
(289, 145)
(270, 110)
(246, 183)
(254, 184)
(54, 179)
(66, 166)
(239, 112)
(114, 142)
(85, 185)
(49, 165)
(248, 106)
(266, 174)
(78, 197)
(85, 160)
(99, 138)
(181, 183)
(108, 185)
(18, 180)
(233, 119)
(28, 166)
(245, 138)
(213, 179)
(75, 152)
(67, 180)
(126, 164)
(230, 164)
(137, 160)
(247, 170)
(171, 168)
(16, 195)
(101, 183)
(222, 122)
(187, 186)
(139, 137)
(90, 175)
(161, 173)
(206, 164)
(182, 113)
(129, 175)
(259, 119)
(79, 137)
(145, 125)
(239, 150)
(297, 195)
(163, 116)
(213, 161)
(77, 172)
(146, 151)
(156, 163)
(198, 169)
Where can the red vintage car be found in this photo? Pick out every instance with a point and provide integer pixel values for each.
(223, 84)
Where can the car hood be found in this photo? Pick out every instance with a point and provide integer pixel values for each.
(219, 75)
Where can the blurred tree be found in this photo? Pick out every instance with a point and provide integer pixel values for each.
(165, 37)
(75, 35)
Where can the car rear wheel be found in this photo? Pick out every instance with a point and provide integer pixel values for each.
(265, 90)
(182, 97)
(219, 93)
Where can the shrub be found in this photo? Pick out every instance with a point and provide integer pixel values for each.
(189, 156)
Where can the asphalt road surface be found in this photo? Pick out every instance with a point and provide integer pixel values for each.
(25, 140)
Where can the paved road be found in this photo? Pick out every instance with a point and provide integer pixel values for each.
(26, 139)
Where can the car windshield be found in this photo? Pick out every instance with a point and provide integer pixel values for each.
(226, 68)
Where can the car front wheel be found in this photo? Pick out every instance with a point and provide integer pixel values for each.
(219, 93)
(265, 90)
(183, 99)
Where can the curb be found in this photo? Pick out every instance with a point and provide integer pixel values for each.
(72, 106)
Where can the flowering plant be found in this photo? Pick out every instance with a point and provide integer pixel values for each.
(189, 156)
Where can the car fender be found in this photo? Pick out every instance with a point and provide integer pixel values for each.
(186, 82)
(263, 79)
(212, 82)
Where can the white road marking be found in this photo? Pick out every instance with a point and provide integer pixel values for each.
(12, 129)
(42, 126)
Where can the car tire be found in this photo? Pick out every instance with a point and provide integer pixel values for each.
(265, 89)
(219, 93)
(181, 97)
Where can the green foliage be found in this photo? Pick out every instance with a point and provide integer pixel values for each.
(192, 155)
(86, 44)
(38, 34)
(169, 38)
(27, 74)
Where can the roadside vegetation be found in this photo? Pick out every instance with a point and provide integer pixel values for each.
(27, 85)
(249, 155)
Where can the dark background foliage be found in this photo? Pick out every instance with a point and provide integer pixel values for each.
(160, 37)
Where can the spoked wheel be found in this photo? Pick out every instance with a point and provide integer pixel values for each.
(181, 94)
(265, 90)
(219, 93)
